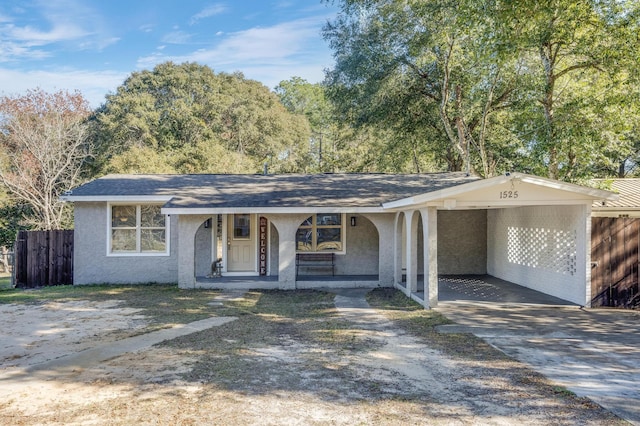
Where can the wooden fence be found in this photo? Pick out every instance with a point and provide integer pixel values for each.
(43, 258)
(615, 255)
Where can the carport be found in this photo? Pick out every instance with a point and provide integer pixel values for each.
(527, 230)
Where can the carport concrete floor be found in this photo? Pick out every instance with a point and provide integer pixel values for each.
(592, 352)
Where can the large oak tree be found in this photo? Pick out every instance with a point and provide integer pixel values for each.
(185, 118)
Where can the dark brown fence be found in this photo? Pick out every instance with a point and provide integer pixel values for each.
(615, 248)
(43, 258)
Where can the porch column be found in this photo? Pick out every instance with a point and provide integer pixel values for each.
(384, 223)
(287, 225)
(430, 253)
(411, 228)
(187, 227)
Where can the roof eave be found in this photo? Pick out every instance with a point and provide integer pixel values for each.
(448, 193)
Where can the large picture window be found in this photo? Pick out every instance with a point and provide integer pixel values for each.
(322, 232)
(137, 229)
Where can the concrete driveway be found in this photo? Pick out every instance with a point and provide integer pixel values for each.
(593, 352)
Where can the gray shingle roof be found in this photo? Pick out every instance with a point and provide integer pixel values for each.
(273, 191)
(628, 189)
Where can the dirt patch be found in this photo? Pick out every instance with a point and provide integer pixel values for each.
(290, 358)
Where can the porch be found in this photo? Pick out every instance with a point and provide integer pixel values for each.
(302, 282)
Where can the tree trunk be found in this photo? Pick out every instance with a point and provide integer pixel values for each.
(547, 57)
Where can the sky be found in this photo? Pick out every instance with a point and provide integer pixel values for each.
(94, 45)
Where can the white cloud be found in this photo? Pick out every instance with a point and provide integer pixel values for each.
(207, 12)
(176, 37)
(256, 45)
(62, 21)
(34, 37)
(267, 54)
(93, 85)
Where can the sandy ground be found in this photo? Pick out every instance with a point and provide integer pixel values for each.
(400, 381)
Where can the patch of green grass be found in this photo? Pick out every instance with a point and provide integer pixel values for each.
(5, 283)
(422, 323)
(163, 304)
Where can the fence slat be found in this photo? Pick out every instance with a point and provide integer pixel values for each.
(44, 258)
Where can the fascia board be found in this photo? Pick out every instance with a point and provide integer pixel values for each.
(446, 193)
(267, 210)
(116, 198)
(594, 193)
(430, 197)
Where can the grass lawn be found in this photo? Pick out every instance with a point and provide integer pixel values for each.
(292, 357)
(5, 282)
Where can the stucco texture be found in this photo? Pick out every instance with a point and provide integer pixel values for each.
(93, 266)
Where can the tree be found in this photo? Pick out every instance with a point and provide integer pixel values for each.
(188, 119)
(44, 148)
(490, 86)
(576, 52)
(430, 70)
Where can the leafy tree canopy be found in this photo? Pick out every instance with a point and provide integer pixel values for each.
(187, 119)
(491, 86)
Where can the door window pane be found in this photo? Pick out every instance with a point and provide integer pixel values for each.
(242, 226)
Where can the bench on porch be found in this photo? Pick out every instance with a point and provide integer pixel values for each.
(315, 261)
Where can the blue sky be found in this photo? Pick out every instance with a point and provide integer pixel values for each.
(93, 45)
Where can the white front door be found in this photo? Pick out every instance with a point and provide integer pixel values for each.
(241, 243)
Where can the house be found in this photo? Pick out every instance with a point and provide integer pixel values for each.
(340, 230)
(615, 246)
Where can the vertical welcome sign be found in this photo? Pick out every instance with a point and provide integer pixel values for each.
(262, 252)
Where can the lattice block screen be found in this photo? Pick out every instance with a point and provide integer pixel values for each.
(545, 248)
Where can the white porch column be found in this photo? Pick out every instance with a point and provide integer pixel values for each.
(187, 227)
(430, 253)
(411, 228)
(287, 225)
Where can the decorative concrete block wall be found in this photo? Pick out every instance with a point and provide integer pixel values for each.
(541, 247)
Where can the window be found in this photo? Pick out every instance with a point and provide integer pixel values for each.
(241, 227)
(137, 229)
(321, 232)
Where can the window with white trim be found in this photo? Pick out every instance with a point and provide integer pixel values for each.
(137, 229)
(323, 232)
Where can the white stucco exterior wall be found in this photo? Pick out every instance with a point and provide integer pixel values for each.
(545, 248)
(92, 265)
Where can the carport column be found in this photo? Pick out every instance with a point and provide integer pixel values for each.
(430, 253)
(411, 227)
(187, 227)
(397, 250)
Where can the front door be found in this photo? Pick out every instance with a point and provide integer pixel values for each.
(241, 243)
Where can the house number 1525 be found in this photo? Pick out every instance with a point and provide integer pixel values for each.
(508, 194)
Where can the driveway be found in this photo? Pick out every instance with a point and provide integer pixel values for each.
(593, 352)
